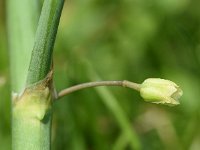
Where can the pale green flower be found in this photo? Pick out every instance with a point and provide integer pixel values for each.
(160, 91)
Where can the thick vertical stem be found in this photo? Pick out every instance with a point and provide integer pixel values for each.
(32, 96)
(22, 20)
(32, 118)
(41, 58)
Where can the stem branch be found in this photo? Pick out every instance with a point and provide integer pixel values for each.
(78, 87)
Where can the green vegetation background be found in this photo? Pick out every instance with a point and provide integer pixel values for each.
(116, 40)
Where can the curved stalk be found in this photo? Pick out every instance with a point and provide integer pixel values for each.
(78, 87)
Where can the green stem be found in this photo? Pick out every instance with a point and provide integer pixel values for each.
(22, 19)
(41, 58)
(31, 107)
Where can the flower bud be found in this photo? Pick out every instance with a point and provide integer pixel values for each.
(160, 91)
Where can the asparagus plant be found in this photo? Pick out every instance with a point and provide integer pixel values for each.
(33, 92)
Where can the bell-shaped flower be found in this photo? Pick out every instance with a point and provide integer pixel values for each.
(160, 91)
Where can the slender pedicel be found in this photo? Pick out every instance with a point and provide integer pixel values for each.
(96, 84)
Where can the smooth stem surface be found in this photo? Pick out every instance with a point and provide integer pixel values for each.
(41, 58)
(31, 109)
(22, 20)
(78, 87)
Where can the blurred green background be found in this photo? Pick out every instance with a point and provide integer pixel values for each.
(116, 40)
